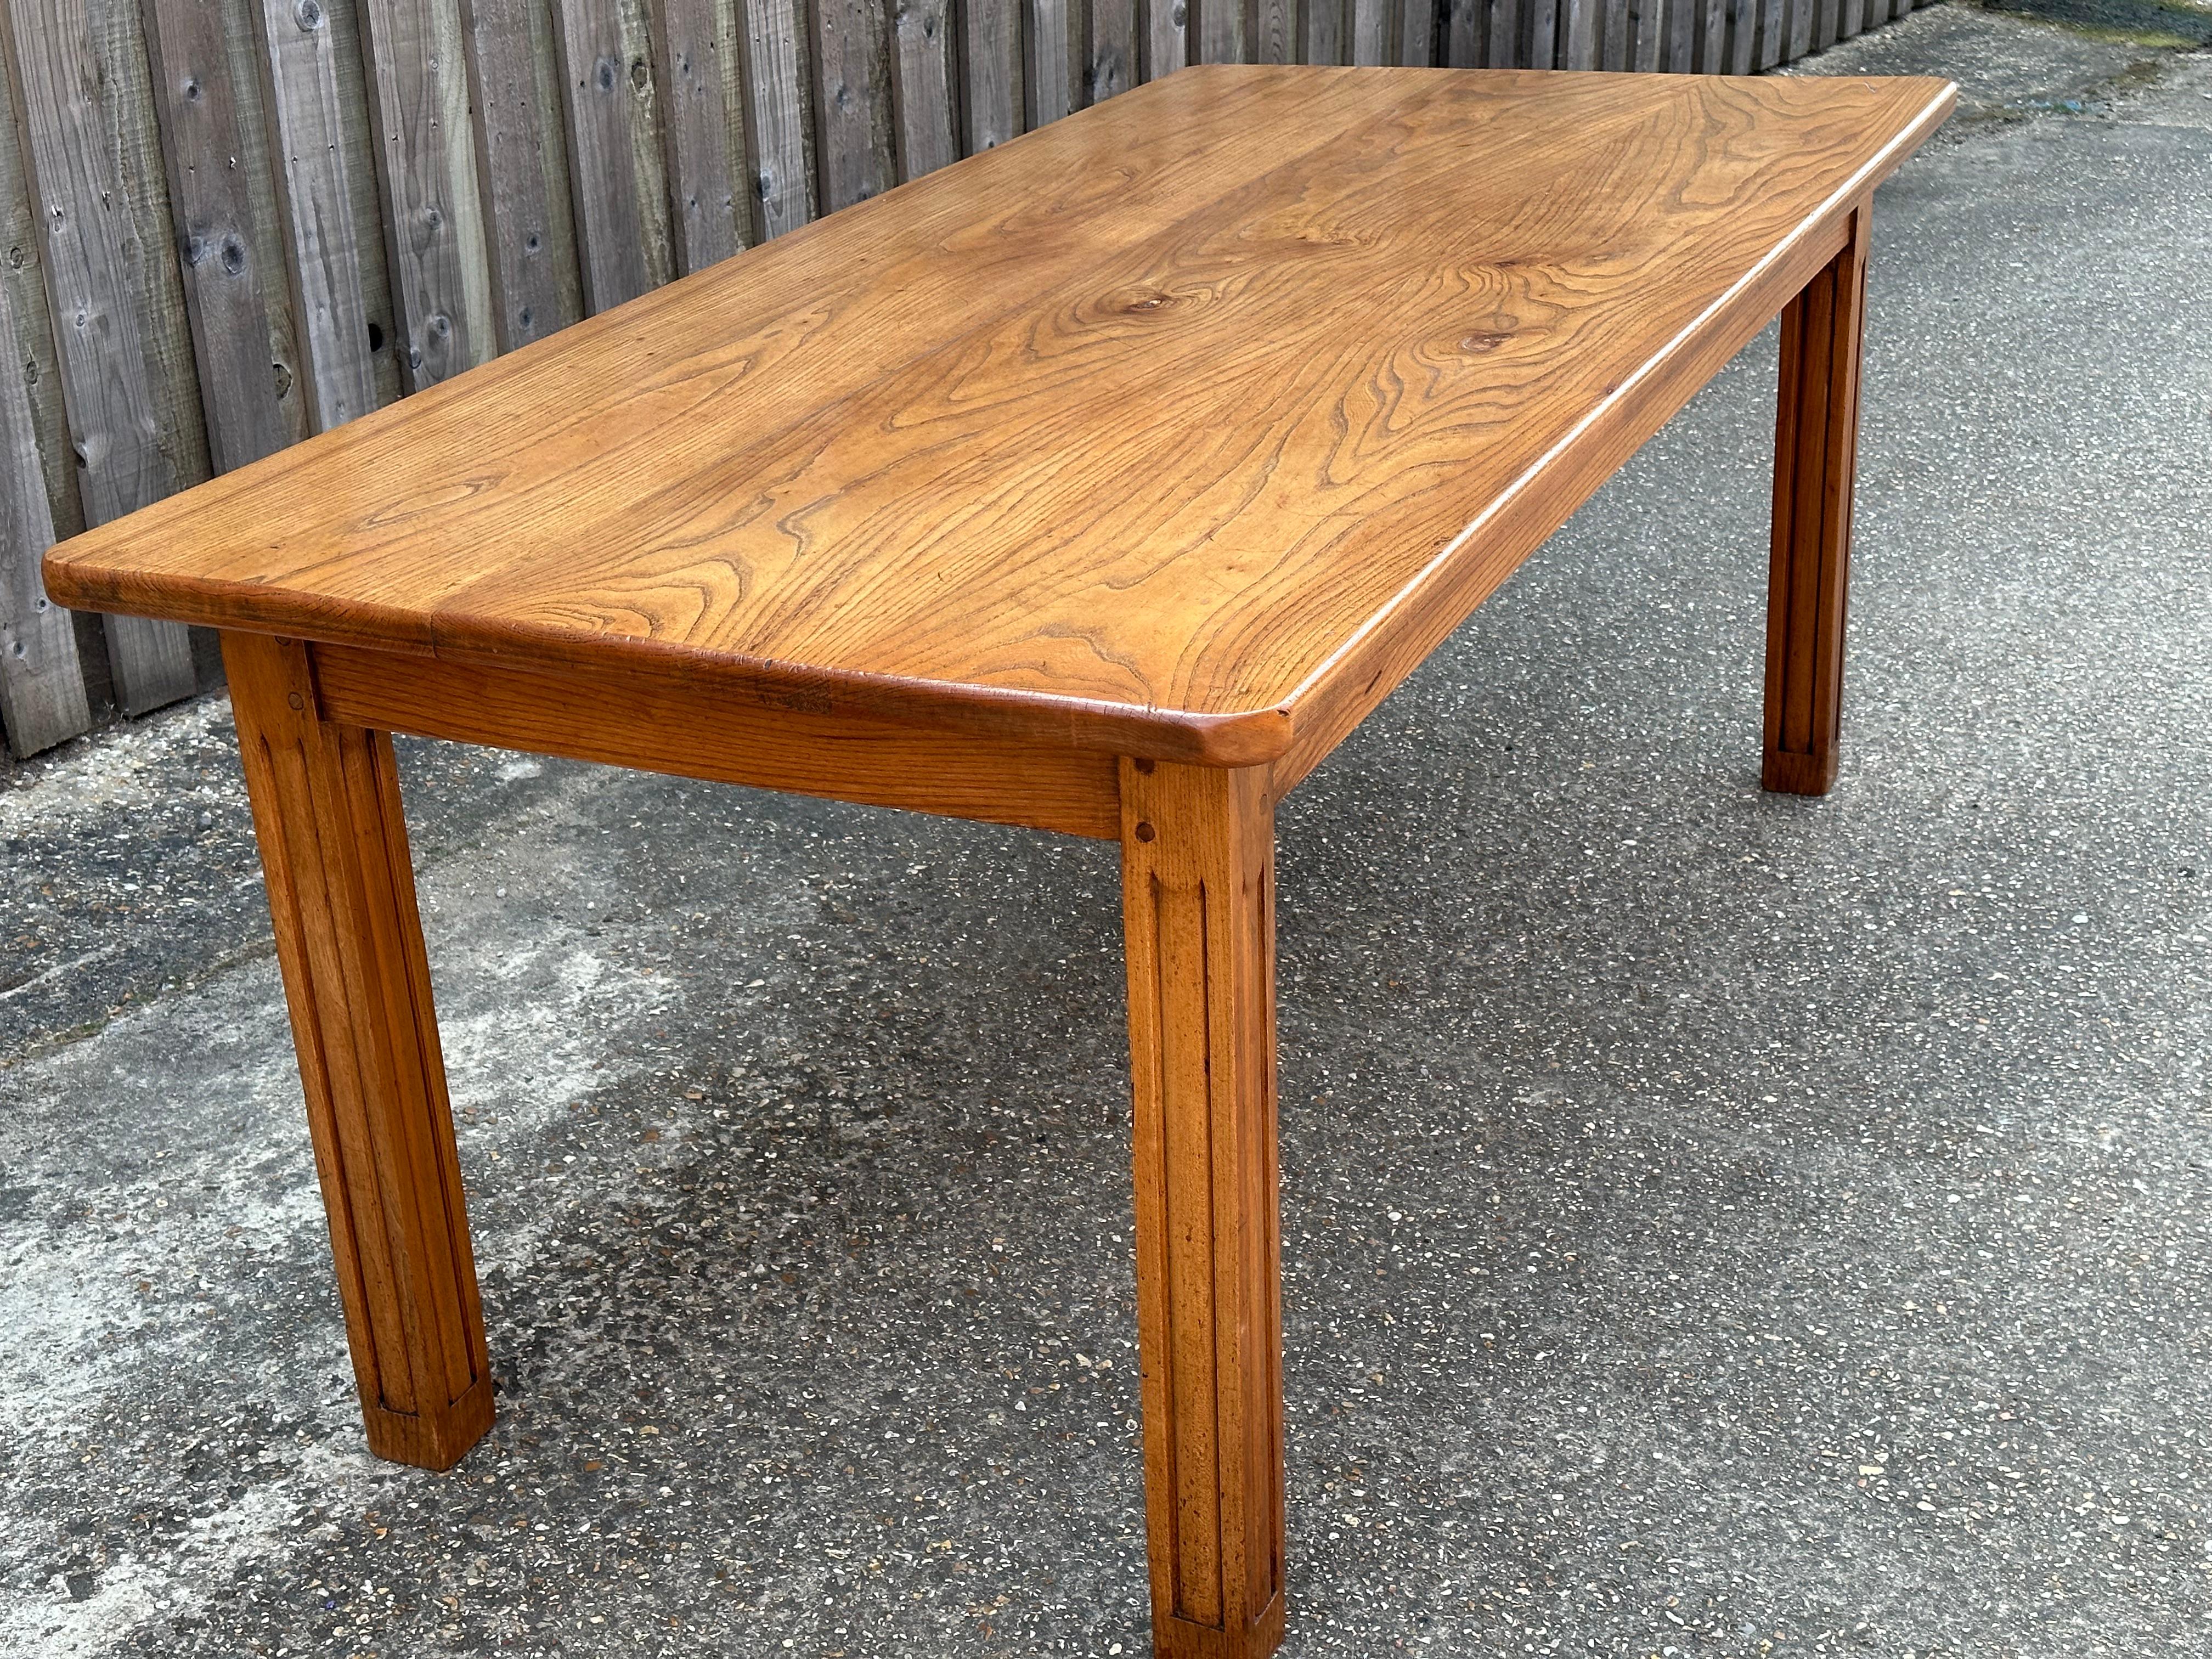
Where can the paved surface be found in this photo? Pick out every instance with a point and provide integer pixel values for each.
(1716, 1225)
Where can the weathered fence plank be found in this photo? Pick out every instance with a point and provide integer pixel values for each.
(1054, 59)
(1374, 31)
(708, 222)
(1327, 31)
(1114, 53)
(991, 54)
(202, 142)
(54, 73)
(603, 79)
(854, 111)
(522, 164)
(1417, 33)
(1275, 31)
(1466, 28)
(928, 139)
(42, 693)
(778, 76)
(425, 160)
(1167, 37)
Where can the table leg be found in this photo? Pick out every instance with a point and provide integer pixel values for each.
(1197, 907)
(341, 894)
(1816, 452)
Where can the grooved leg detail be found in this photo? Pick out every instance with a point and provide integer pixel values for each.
(1197, 905)
(1815, 455)
(342, 896)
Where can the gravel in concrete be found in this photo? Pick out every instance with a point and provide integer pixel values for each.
(1715, 1224)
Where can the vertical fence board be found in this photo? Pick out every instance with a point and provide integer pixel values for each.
(28, 348)
(522, 166)
(1327, 31)
(1541, 22)
(1849, 19)
(854, 109)
(316, 106)
(991, 66)
(1167, 37)
(621, 205)
(778, 74)
(42, 695)
(928, 139)
(426, 162)
(1113, 60)
(1465, 34)
(1504, 46)
(1374, 31)
(1825, 13)
(202, 142)
(1615, 23)
(1054, 59)
(1580, 28)
(1275, 32)
(1417, 34)
(706, 222)
(79, 194)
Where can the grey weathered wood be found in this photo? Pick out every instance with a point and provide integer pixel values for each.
(709, 221)
(612, 209)
(55, 74)
(1797, 41)
(1772, 34)
(1581, 40)
(1054, 59)
(1327, 31)
(853, 111)
(1417, 33)
(1505, 44)
(426, 162)
(1615, 28)
(991, 72)
(1467, 29)
(922, 33)
(42, 699)
(202, 142)
(1709, 47)
(1649, 22)
(1849, 19)
(320, 140)
(522, 162)
(779, 97)
(1374, 31)
(1276, 28)
(1825, 16)
(263, 223)
(1113, 62)
(1167, 37)
(1740, 44)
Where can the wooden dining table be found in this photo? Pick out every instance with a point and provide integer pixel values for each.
(1100, 483)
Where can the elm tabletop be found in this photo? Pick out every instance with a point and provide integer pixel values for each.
(1102, 482)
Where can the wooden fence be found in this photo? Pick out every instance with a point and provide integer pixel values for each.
(225, 224)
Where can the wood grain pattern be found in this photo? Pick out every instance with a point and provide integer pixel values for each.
(992, 63)
(779, 79)
(910, 484)
(321, 143)
(1198, 907)
(342, 896)
(201, 143)
(42, 696)
(928, 139)
(1274, 33)
(426, 162)
(694, 731)
(522, 160)
(55, 76)
(1816, 450)
(709, 223)
(852, 44)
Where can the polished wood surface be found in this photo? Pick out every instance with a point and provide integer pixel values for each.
(341, 894)
(1159, 430)
(1198, 904)
(1816, 457)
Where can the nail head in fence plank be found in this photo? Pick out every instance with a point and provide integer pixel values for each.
(42, 697)
(434, 234)
(53, 72)
(201, 138)
(922, 30)
(991, 58)
(1054, 65)
(315, 102)
(778, 78)
(522, 156)
(854, 111)
(707, 220)
(1114, 49)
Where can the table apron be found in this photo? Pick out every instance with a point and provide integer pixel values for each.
(700, 731)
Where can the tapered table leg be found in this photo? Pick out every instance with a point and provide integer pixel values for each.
(1816, 452)
(341, 894)
(1197, 905)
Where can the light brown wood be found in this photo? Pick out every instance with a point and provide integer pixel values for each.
(899, 471)
(342, 895)
(1197, 905)
(1816, 455)
(775, 742)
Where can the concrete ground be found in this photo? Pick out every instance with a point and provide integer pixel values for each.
(1715, 1224)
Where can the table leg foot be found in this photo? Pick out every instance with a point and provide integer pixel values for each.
(1816, 452)
(349, 938)
(1198, 902)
